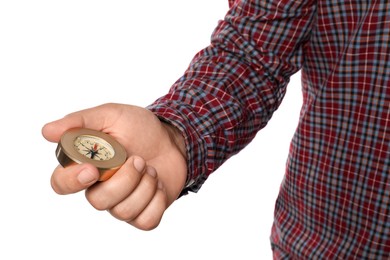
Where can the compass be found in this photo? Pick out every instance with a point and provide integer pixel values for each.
(82, 145)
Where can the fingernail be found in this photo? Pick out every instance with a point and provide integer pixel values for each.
(86, 177)
(151, 171)
(139, 164)
(160, 185)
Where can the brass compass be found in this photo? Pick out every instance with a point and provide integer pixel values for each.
(82, 145)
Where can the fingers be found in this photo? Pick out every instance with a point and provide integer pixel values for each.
(73, 178)
(136, 202)
(151, 216)
(106, 194)
(133, 194)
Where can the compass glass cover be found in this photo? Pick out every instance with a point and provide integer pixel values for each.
(94, 147)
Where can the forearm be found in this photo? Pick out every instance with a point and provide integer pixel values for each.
(231, 88)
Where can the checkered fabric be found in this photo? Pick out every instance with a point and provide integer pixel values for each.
(334, 202)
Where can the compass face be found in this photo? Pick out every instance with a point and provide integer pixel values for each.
(94, 148)
(81, 145)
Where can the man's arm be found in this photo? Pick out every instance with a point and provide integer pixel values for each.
(231, 88)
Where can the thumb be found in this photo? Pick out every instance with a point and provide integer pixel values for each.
(96, 118)
(73, 178)
(52, 131)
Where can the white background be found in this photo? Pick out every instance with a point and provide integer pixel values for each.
(57, 57)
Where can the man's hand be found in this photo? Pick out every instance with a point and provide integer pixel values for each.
(150, 180)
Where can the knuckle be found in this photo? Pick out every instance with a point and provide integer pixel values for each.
(150, 219)
(147, 223)
(62, 187)
(123, 213)
(97, 201)
(56, 187)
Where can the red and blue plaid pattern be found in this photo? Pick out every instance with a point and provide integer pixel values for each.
(334, 202)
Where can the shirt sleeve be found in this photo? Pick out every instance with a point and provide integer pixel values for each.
(231, 88)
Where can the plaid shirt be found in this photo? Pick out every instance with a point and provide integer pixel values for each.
(334, 201)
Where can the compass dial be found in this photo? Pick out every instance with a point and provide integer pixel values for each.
(94, 148)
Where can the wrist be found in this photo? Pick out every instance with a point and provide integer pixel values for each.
(176, 138)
